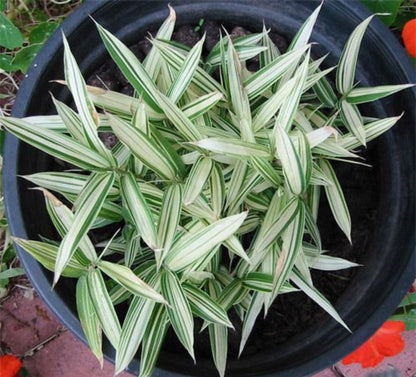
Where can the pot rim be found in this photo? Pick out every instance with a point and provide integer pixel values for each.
(42, 285)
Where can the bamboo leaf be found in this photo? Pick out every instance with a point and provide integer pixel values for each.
(202, 80)
(63, 219)
(87, 113)
(304, 33)
(138, 209)
(291, 164)
(258, 281)
(205, 307)
(193, 246)
(152, 62)
(353, 121)
(95, 192)
(153, 340)
(197, 178)
(336, 199)
(145, 149)
(187, 71)
(267, 76)
(290, 104)
(233, 147)
(348, 60)
(134, 327)
(217, 189)
(292, 244)
(131, 68)
(218, 335)
(363, 95)
(56, 144)
(46, 254)
(266, 169)
(103, 306)
(169, 218)
(89, 319)
(179, 310)
(125, 277)
(316, 296)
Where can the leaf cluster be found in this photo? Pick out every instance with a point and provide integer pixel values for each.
(215, 185)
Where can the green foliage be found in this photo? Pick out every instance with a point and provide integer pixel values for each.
(200, 166)
(384, 6)
(24, 27)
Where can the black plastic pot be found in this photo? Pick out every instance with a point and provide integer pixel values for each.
(389, 263)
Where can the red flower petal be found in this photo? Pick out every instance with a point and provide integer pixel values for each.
(409, 37)
(387, 341)
(9, 366)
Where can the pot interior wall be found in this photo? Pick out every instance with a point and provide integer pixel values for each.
(389, 246)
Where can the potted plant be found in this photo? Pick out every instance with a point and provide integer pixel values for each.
(207, 206)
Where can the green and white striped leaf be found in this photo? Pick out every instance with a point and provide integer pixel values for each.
(266, 169)
(194, 246)
(201, 105)
(67, 184)
(336, 199)
(103, 306)
(131, 68)
(363, 95)
(232, 147)
(271, 229)
(289, 158)
(290, 105)
(153, 340)
(292, 245)
(202, 80)
(179, 310)
(181, 122)
(144, 148)
(87, 113)
(253, 311)
(217, 189)
(319, 135)
(46, 254)
(94, 193)
(348, 60)
(272, 105)
(70, 120)
(205, 307)
(353, 120)
(170, 214)
(57, 145)
(267, 76)
(197, 178)
(372, 131)
(89, 319)
(138, 209)
(187, 71)
(128, 279)
(304, 33)
(218, 335)
(316, 296)
(152, 62)
(328, 263)
(258, 281)
(134, 327)
(63, 219)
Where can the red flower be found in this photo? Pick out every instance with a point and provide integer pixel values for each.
(9, 366)
(409, 37)
(387, 341)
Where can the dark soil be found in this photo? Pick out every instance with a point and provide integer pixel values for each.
(291, 314)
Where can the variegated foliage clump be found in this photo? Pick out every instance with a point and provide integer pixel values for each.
(199, 164)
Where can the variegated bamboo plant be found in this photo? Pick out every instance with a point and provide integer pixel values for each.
(199, 164)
